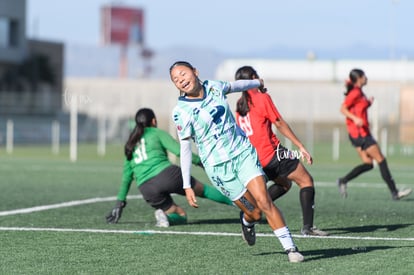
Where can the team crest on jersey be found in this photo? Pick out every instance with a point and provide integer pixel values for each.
(214, 91)
(179, 128)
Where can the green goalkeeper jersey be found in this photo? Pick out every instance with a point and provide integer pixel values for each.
(149, 158)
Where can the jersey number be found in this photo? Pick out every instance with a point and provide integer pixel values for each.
(245, 125)
(140, 152)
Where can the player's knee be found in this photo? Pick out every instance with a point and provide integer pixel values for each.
(306, 181)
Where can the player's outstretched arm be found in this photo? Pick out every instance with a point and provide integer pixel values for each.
(246, 84)
(185, 162)
(284, 128)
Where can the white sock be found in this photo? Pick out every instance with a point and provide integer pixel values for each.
(283, 234)
(248, 224)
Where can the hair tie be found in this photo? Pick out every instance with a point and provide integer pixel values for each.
(348, 82)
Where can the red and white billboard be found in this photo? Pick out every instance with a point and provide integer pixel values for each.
(122, 25)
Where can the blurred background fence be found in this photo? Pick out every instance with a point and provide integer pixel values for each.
(109, 105)
(41, 104)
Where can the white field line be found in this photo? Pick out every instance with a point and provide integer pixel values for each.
(95, 200)
(226, 234)
(60, 205)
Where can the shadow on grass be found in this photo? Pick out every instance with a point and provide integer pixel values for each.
(410, 199)
(215, 221)
(331, 231)
(192, 222)
(368, 228)
(312, 255)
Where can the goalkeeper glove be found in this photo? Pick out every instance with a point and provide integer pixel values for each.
(116, 212)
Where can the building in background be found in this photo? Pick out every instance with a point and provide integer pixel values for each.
(124, 26)
(13, 46)
(31, 71)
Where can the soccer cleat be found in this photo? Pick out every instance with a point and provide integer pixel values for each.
(162, 220)
(342, 188)
(248, 232)
(401, 194)
(294, 256)
(313, 231)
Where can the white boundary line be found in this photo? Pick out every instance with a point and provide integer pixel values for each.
(95, 200)
(169, 232)
(147, 232)
(61, 205)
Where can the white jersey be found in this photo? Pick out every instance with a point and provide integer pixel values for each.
(211, 124)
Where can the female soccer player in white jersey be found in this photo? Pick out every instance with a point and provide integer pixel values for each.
(230, 161)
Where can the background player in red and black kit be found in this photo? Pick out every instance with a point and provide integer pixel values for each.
(255, 114)
(355, 108)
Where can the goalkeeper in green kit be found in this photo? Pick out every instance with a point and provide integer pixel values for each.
(157, 178)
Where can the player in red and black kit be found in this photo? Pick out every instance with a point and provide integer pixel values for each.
(255, 114)
(355, 108)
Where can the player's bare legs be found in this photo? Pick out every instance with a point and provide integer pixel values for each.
(257, 200)
(368, 156)
(301, 176)
(367, 164)
(374, 152)
(257, 189)
(307, 199)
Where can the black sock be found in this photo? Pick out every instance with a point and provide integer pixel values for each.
(358, 170)
(307, 200)
(276, 191)
(386, 175)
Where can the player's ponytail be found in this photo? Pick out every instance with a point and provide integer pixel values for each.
(143, 119)
(354, 75)
(245, 72)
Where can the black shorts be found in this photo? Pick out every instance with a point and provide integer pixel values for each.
(363, 142)
(157, 191)
(282, 164)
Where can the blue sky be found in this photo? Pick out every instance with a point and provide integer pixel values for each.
(237, 26)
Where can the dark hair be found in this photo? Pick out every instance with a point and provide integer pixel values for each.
(143, 119)
(245, 72)
(354, 75)
(181, 63)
